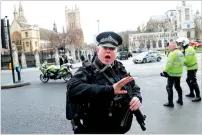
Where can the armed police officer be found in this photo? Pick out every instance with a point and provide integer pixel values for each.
(90, 87)
(191, 64)
(173, 71)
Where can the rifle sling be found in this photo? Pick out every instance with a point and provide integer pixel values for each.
(103, 73)
(125, 119)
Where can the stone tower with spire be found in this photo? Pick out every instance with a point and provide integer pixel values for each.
(72, 18)
(26, 37)
(15, 13)
(21, 18)
(73, 25)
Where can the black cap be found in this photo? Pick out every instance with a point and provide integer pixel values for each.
(109, 39)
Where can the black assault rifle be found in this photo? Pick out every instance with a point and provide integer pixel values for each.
(139, 116)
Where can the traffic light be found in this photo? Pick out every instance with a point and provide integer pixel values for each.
(3, 35)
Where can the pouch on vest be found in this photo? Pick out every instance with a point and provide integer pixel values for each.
(71, 109)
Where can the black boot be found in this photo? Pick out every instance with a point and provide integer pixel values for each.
(191, 95)
(169, 104)
(189, 82)
(179, 102)
(179, 91)
(197, 91)
(197, 99)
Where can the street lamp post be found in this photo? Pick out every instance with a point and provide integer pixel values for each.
(164, 34)
(170, 22)
(10, 47)
(98, 26)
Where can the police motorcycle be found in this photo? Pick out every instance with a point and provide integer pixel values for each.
(52, 72)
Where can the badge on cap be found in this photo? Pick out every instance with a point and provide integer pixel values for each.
(109, 39)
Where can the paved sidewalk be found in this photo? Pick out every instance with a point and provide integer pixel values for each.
(15, 85)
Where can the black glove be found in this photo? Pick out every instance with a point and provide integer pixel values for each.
(164, 74)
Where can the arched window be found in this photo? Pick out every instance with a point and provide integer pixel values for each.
(160, 43)
(26, 34)
(188, 34)
(148, 44)
(154, 43)
(16, 38)
(165, 43)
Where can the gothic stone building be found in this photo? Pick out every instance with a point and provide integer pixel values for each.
(28, 37)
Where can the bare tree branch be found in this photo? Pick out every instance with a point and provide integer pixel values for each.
(156, 26)
(75, 36)
(54, 41)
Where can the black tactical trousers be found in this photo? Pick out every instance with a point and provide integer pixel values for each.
(176, 82)
(192, 82)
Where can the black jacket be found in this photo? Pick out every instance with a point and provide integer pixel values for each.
(89, 87)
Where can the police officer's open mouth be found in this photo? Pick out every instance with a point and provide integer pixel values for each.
(107, 57)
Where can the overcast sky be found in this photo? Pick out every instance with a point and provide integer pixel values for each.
(113, 15)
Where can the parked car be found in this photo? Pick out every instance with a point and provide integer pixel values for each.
(148, 56)
(139, 50)
(122, 55)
